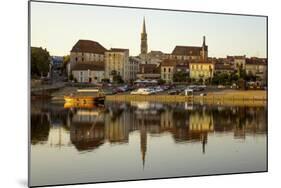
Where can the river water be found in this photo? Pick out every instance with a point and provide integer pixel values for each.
(141, 140)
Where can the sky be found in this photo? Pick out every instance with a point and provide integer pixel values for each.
(58, 27)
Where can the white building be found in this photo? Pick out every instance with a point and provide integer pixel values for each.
(117, 59)
(86, 51)
(88, 72)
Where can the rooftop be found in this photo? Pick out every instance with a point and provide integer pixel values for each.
(88, 46)
(188, 50)
(118, 50)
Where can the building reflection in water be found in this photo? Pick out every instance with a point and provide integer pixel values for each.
(91, 127)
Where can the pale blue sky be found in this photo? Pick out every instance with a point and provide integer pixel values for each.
(57, 27)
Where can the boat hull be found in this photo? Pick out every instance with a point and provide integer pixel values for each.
(83, 99)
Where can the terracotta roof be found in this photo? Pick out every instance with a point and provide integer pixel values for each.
(88, 46)
(118, 50)
(256, 61)
(168, 62)
(154, 52)
(187, 50)
(201, 62)
(94, 66)
(236, 57)
(222, 66)
(148, 68)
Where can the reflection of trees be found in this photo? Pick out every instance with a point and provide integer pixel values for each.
(40, 127)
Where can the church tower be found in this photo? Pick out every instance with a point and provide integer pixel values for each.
(204, 50)
(143, 39)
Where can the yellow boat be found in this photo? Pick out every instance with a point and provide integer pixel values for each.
(84, 96)
(69, 105)
(79, 99)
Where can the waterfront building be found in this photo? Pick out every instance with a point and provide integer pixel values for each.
(257, 67)
(88, 72)
(224, 68)
(191, 53)
(237, 61)
(171, 66)
(201, 70)
(148, 71)
(132, 68)
(168, 69)
(86, 51)
(117, 59)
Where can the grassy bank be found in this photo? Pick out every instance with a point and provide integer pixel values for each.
(226, 97)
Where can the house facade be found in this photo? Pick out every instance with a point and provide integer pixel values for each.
(88, 72)
(148, 72)
(86, 51)
(117, 59)
(168, 69)
(201, 70)
(257, 67)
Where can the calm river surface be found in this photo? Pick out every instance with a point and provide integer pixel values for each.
(140, 140)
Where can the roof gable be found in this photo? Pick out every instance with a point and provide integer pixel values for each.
(88, 46)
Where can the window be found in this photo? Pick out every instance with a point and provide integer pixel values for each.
(76, 59)
(169, 69)
(164, 69)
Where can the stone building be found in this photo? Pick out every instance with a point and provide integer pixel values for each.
(170, 66)
(257, 67)
(148, 71)
(117, 59)
(237, 61)
(201, 70)
(88, 72)
(156, 57)
(191, 53)
(223, 68)
(132, 68)
(86, 51)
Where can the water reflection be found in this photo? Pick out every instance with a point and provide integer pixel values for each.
(89, 127)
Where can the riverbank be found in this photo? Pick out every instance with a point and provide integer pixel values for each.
(225, 97)
(222, 97)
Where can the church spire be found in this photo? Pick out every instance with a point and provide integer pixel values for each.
(143, 46)
(143, 26)
(204, 44)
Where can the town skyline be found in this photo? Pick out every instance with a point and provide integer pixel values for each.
(224, 38)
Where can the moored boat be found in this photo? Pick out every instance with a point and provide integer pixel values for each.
(84, 96)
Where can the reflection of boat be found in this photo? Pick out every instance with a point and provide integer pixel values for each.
(79, 105)
(84, 96)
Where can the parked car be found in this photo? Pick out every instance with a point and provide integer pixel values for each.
(203, 94)
(221, 86)
(187, 92)
(174, 92)
(109, 91)
(142, 91)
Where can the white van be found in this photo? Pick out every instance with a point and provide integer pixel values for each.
(141, 91)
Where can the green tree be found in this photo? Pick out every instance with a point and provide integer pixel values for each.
(161, 81)
(180, 77)
(116, 77)
(40, 60)
(66, 60)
